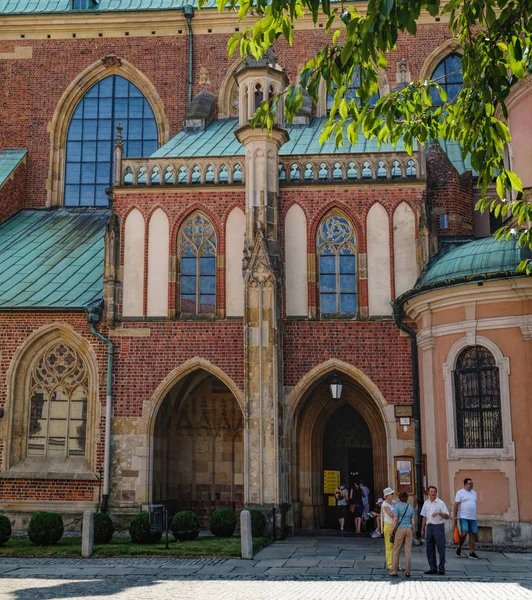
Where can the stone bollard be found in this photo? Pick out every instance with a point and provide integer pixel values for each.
(246, 537)
(87, 541)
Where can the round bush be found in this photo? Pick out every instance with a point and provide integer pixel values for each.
(258, 522)
(185, 525)
(222, 522)
(45, 529)
(5, 529)
(103, 528)
(140, 532)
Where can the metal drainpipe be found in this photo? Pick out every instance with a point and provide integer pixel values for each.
(93, 317)
(398, 315)
(188, 11)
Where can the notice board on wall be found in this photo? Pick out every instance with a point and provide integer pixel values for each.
(331, 480)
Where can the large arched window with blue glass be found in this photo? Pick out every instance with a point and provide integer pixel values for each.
(337, 265)
(351, 93)
(91, 135)
(448, 74)
(197, 265)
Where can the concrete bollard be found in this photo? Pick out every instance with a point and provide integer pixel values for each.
(246, 537)
(87, 541)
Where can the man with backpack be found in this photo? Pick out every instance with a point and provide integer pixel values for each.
(340, 495)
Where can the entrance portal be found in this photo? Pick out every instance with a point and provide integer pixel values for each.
(347, 448)
(198, 461)
(347, 436)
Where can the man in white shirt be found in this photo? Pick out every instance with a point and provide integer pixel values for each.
(465, 509)
(434, 513)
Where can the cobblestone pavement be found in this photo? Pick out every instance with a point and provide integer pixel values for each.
(298, 568)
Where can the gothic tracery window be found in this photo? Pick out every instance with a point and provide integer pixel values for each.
(337, 265)
(197, 256)
(477, 399)
(58, 404)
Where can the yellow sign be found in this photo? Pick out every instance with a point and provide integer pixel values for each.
(331, 480)
(332, 501)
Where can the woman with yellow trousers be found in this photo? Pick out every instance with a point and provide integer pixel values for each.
(386, 520)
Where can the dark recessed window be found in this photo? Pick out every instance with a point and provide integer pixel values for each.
(478, 399)
(91, 135)
(448, 74)
(84, 4)
(351, 93)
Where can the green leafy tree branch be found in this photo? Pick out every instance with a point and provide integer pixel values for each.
(495, 37)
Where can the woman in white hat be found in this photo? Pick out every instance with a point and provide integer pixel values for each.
(386, 521)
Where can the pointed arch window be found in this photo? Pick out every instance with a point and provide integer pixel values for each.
(351, 93)
(197, 265)
(58, 404)
(91, 134)
(477, 399)
(448, 74)
(337, 265)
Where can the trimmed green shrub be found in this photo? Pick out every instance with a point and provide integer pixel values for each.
(140, 531)
(45, 529)
(185, 525)
(258, 522)
(5, 529)
(222, 522)
(103, 528)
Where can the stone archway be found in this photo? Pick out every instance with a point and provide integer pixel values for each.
(197, 446)
(311, 410)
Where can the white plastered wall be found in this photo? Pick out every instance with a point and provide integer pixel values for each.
(404, 248)
(133, 287)
(158, 250)
(296, 262)
(379, 284)
(234, 248)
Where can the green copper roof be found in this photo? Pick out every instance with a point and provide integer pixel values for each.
(219, 139)
(52, 259)
(63, 6)
(9, 161)
(454, 153)
(475, 260)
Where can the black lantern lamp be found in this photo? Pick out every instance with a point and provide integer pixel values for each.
(336, 386)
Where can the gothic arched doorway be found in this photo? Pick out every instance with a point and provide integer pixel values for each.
(198, 450)
(347, 436)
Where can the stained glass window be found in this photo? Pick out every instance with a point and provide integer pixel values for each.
(448, 74)
(58, 404)
(478, 399)
(197, 256)
(91, 135)
(337, 266)
(351, 93)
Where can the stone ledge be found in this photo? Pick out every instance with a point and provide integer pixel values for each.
(48, 475)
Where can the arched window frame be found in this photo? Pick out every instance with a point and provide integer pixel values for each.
(444, 83)
(211, 239)
(19, 378)
(352, 242)
(507, 452)
(108, 65)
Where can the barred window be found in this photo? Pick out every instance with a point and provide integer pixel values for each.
(448, 74)
(337, 265)
(58, 404)
(197, 265)
(478, 399)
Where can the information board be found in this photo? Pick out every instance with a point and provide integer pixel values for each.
(331, 480)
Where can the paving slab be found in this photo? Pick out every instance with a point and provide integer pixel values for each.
(286, 572)
(357, 572)
(509, 568)
(254, 571)
(271, 562)
(302, 562)
(239, 562)
(323, 571)
(336, 563)
(216, 570)
(271, 553)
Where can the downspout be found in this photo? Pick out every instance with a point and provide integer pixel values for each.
(416, 410)
(93, 317)
(188, 11)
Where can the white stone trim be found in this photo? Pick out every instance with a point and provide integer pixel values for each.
(507, 452)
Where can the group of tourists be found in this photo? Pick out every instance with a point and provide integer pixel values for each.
(353, 503)
(395, 522)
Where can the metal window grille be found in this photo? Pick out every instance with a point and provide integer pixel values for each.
(478, 399)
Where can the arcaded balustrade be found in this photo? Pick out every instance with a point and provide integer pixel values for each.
(307, 169)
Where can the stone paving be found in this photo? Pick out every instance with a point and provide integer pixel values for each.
(297, 568)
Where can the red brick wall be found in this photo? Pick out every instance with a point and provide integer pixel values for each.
(44, 490)
(31, 88)
(450, 194)
(12, 196)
